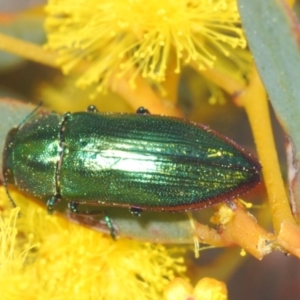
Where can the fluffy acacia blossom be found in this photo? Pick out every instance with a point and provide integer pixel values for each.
(48, 257)
(125, 38)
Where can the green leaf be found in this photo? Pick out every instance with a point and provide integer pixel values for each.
(273, 35)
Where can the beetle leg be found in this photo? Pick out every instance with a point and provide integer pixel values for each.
(73, 208)
(52, 202)
(92, 108)
(136, 211)
(142, 111)
(110, 226)
(8, 193)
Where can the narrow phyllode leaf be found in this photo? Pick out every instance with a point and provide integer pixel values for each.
(273, 35)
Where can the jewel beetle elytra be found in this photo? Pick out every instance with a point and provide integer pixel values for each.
(140, 161)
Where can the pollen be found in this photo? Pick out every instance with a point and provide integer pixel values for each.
(48, 257)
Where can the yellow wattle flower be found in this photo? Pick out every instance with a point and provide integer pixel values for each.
(47, 257)
(111, 39)
(210, 289)
(206, 289)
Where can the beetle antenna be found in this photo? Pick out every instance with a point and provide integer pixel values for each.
(31, 114)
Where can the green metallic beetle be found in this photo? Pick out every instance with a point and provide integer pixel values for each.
(140, 161)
